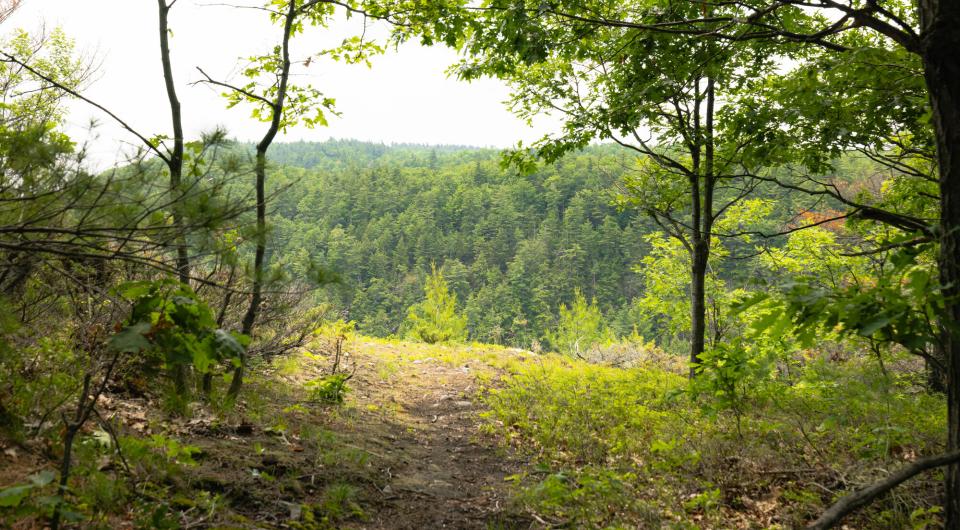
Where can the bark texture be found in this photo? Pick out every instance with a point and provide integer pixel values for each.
(940, 42)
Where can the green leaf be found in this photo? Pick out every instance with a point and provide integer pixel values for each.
(13, 496)
(875, 325)
(134, 290)
(777, 330)
(230, 345)
(71, 516)
(765, 322)
(202, 360)
(747, 303)
(130, 339)
(48, 500)
(42, 478)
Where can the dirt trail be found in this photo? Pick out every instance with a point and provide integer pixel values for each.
(444, 473)
(406, 445)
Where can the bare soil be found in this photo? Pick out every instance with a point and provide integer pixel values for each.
(445, 473)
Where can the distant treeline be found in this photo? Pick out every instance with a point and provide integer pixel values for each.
(512, 247)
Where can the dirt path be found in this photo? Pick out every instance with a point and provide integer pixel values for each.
(442, 472)
(404, 451)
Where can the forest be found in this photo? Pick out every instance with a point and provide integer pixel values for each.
(724, 293)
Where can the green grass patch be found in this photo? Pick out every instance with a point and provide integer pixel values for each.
(631, 448)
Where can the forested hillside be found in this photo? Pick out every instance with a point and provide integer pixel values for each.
(724, 292)
(512, 248)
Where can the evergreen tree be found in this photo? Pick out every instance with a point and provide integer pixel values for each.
(581, 327)
(436, 319)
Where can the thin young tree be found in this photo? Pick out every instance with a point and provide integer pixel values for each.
(281, 105)
(661, 96)
(174, 156)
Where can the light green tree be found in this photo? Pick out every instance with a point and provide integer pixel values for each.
(665, 98)
(665, 302)
(581, 326)
(435, 319)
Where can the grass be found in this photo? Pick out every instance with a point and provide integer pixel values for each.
(630, 448)
(633, 448)
(608, 447)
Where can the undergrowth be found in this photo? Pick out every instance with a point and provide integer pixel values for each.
(610, 447)
(626, 448)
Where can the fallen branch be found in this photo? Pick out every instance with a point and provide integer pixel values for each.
(865, 496)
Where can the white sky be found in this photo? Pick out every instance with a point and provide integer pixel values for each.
(405, 97)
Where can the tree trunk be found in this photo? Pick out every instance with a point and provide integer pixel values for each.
(698, 304)
(259, 260)
(703, 216)
(936, 378)
(175, 166)
(250, 317)
(939, 20)
(175, 162)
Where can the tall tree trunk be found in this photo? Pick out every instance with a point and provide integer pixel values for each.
(175, 161)
(259, 260)
(939, 20)
(175, 166)
(702, 187)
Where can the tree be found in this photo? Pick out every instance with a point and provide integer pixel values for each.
(281, 105)
(661, 95)
(51, 207)
(922, 28)
(924, 34)
(41, 82)
(60, 211)
(580, 327)
(173, 158)
(66, 233)
(435, 319)
(662, 269)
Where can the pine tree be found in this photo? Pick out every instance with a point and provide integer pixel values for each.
(581, 327)
(436, 319)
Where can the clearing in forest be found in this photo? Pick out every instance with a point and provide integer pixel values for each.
(476, 436)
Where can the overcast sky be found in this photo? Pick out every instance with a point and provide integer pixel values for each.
(405, 97)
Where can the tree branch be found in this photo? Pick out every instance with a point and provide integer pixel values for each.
(74, 93)
(853, 502)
